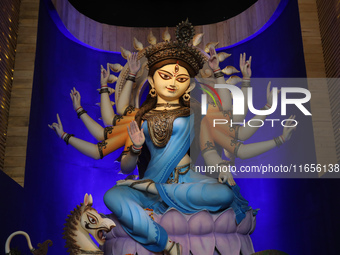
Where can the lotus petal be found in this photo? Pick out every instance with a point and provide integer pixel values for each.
(225, 223)
(197, 39)
(229, 70)
(245, 226)
(246, 244)
(125, 246)
(137, 44)
(174, 223)
(202, 239)
(228, 244)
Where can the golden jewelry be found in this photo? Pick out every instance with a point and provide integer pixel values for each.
(153, 92)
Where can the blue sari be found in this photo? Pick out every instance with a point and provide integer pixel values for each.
(193, 191)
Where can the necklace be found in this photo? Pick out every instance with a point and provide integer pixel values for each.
(160, 123)
(167, 105)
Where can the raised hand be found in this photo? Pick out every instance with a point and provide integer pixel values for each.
(245, 66)
(57, 127)
(270, 94)
(213, 60)
(288, 129)
(75, 97)
(136, 135)
(134, 63)
(104, 75)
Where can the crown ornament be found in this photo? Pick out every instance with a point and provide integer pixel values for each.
(170, 52)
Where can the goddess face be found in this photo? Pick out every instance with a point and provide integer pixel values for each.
(170, 81)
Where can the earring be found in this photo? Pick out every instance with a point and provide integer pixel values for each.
(153, 92)
(186, 96)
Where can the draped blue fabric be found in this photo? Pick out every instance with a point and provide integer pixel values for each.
(193, 192)
(165, 159)
(192, 186)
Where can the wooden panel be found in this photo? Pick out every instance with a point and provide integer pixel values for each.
(315, 67)
(108, 37)
(18, 120)
(329, 13)
(9, 24)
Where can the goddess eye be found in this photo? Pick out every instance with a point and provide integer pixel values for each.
(91, 219)
(164, 76)
(182, 79)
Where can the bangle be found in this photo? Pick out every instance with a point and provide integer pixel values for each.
(104, 90)
(266, 107)
(279, 141)
(134, 151)
(137, 148)
(131, 78)
(245, 83)
(217, 70)
(281, 137)
(246, 79)
(81, 113)
(66, 137)
(218, 74)
(132, 74)
(80, 107)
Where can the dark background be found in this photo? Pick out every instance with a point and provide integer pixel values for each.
(298, 216)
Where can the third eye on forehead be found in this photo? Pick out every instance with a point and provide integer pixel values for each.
(173, 74)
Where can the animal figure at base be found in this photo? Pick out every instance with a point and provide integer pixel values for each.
(83, 221)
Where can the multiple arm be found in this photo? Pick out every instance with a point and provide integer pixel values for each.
(124, 98)
(106, 109)
(245, 67)
(223, 93)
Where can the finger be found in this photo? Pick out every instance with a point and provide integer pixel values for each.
(268, 87)
(59, 122)
(135, 126)
(240, 59)
(211, 52)
(219, 180)
(132, 127)
(250, 60)
(108, 68)
(244, 58)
